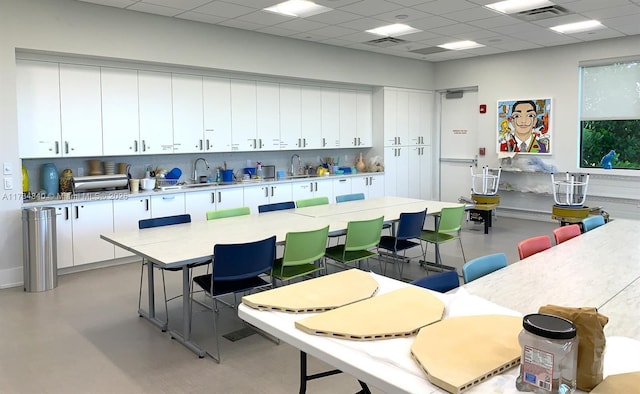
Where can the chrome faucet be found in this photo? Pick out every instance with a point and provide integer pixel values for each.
(195, 168)
(295, 171)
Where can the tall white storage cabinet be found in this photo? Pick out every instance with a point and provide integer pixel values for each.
(408, 152)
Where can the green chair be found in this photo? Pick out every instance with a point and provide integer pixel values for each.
(227, 213)
(301, 252)
(447, 229)
(361, 236)
(309, 202)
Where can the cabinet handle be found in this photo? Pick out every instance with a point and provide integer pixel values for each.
(57, 147)
(260, 139)
(316, 185)
(146, 200)
(169, 198)
(359, 142)
(135, 145)
(266, 191)
(342, 180)
(304, 142)
(201, 145)
(219, 197)
(66, 213)
(299, 142)
(324, 142)
(399, 141)
(399, 149)
(77, 212)
(66, 147)
(144, 146)
(272, 189)
(208, 145)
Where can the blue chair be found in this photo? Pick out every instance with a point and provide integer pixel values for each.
(591, 222)
(349, 197)
(159, 222)
(481, 266)
(440, 282)
(278, 206)
(409, 227)
(237, 268)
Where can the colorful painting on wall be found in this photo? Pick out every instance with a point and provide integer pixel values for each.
(524, 126)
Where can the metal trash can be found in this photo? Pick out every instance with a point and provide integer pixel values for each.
(39, 248)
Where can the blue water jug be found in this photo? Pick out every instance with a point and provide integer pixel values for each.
(50, 179)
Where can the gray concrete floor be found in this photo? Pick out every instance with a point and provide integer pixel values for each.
(85, 336)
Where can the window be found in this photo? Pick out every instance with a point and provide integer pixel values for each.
(610, 115)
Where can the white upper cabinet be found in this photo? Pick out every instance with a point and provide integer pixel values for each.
(364, 119)
(396, 117)
(243, 115)
(267, 116)
(156, 119)
(331, 118)
(291, 117)
(38, 100)
(348, 118)
(80, 110)
(216, 93)
(120, 121)
(311, 117)
(188, 121)
(420, 108)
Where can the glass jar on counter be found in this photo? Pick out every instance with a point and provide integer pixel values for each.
(549, 355)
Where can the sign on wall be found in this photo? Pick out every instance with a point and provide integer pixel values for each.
(524, 126)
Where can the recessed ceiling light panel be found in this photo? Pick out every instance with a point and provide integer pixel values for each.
(397, 29)
(514, 6)
(461, 45)
(298, 8)
(578, 27)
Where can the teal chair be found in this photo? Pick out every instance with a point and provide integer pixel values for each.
(349, 197)
(309, 202)
(481, 266)
(302, 250)
(361, 236)
(591, 222)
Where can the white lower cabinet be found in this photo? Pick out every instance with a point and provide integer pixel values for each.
(89, 220)
(396, 166)
(126, 214)
(266, 194)
(372, 185)
(312, 187)
(64, 236)
(167, 205)
(197, 204)
(341, 187)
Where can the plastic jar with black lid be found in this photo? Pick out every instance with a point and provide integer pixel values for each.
(549, 355)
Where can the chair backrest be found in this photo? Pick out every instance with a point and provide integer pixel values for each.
(277, 206)
(481, 266)
(410, 225)
(164, 221)
(440, 282)
(564, 233)
(304, 247)
(450, 219)
(363, 234)
(349, 197)
(244, 260)
(591, 222)
(309, 202)
(227, 213)
(533, 245)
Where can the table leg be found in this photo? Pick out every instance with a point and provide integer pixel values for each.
(150, 314)
(185, 337)
(304, 378)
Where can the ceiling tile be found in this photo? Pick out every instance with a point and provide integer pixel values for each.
(613, 12)
(370, 7)
(300, 25)
(264, 18)
(178, 4)
(155, 9)
(432, 22)
(363, 24)
(590, 5)
(334, 17)
(469, 14)
(411, 15)
(112, 3)
(439, 7)
(601, 34)
(277, 30)
(332, 31)
(454, 30)
(224, 9)
(198, 17)
(238, 24)
(495, 21)
(255, 4)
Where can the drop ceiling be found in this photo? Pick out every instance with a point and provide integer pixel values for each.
(441, 21)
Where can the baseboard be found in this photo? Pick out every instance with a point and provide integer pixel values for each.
(11, 277)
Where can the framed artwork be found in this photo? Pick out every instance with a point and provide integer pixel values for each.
(524, 126)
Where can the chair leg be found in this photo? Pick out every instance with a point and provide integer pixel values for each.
(215, 331)
(141, 276)
(166, 308)
(462, 249)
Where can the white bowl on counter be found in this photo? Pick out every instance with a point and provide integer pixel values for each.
(148, 183)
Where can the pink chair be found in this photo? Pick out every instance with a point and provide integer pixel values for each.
(533, 245)
(564, 233)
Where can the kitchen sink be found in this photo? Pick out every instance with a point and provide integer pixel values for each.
(197, 185)
(300, 176)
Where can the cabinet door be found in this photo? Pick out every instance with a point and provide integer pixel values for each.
(341, 187)
(390, 114)
(323, 188)
(302, 189)
(229, 198)
(360, 184)
(197, 204)
(80, 110)
(311, 117)
(375, 186)
(396, 167)
(348, 119)
(280, 192)
(243, 115)
(268, 115)
(167, 205)
(216, 93)
(402, 118)
(126, 214)
(90, 219)
(420, 109)
(364, 119)
(64, 236)
(256, 195)
(331, 118)
(38, 101)
(188, 126)
(420, 157)
(291, 117)
(120, 122)
(156, 119)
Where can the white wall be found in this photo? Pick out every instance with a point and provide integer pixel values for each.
(89, 30)
(551, 72)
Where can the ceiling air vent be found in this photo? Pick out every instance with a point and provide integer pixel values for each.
(386, 42)
(541, 13)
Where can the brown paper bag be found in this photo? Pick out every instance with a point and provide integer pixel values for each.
(590, 331)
